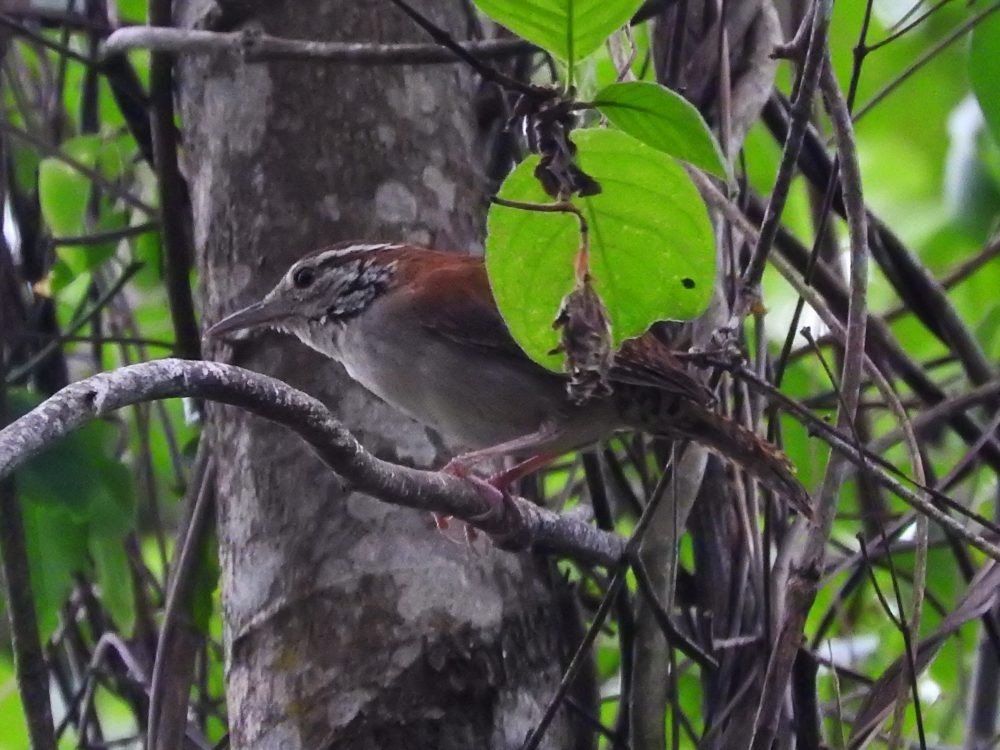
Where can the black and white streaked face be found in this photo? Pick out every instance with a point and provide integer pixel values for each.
(319, 293)
(335, 284)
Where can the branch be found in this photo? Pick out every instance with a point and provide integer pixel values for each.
(520, 522)
(29, 660)
(801, 111)
(179, 641)
(953, 36)
(175, 202)
(256, 47)
(94, 175)
(804, 581)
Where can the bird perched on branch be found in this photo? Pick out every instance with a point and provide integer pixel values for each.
(420, 329)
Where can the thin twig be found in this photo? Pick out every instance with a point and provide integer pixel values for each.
(44, 41)
(79, 322)
(111, 235)
(487, 73)
(559, 207)
(801, 110)
(956, 34)
(173, 667)
(901, 30)
(674, 636)
(62, 338)
(93, 175)
(803, 583)
(175, 204)
(29, 660)
(955, 276)
(579, 657)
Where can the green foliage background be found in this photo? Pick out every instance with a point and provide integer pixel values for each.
(931, 170)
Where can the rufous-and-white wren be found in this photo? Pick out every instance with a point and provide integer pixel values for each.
(420, 329)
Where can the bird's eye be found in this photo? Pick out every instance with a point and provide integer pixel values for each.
(304, 277)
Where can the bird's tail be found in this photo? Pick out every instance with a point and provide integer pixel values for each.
(675, 418)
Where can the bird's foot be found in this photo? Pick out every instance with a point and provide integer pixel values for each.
(443, 524)
(503, 520)
(459, 466)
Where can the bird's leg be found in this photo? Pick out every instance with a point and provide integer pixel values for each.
(501, 520)
(461, 465)
(505, 479)
(500, 483)
(495, 488)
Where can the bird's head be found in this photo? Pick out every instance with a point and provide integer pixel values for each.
(320, 292)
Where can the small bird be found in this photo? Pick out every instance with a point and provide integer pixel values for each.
(420, 329)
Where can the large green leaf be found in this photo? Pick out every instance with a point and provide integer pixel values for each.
(69, 472)
(111, 518)
(652, 248)
(83, 258)
(13, 729)
(569, 29)
(984, 53)
(56, 539)
(62, 191)
(78, 505)
(664, 120)
(114, 579)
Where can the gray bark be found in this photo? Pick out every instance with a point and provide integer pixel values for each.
(348, 624)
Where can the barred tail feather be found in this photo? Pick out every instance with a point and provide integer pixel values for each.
(746, 449)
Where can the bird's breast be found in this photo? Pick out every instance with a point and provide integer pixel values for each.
(473, 397)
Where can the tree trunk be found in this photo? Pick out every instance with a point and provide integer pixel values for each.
(348, 623)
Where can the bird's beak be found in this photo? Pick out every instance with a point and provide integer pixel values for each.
(265, 312)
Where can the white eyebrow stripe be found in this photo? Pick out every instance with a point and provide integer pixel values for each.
(350, 249)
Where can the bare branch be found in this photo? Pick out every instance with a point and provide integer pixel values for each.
(255, 47)
(520, 523)
(32, 675)
(175, 202)
(805, 577)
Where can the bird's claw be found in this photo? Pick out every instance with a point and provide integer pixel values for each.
(503, 520)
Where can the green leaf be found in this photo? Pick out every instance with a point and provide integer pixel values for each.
(569, 29)
(56, 539)
(68, 472)
(988, 331)
(983, 55)
(206, 581)
(652, 247)
(146, 250)
(133, 10)
(114, 579)
(62, 191)
(664, 120)
(112, 517)
(83, 258)
(25, 162)
(13, 729)
(78, 505)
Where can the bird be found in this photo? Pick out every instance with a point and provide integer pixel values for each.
(420, 328)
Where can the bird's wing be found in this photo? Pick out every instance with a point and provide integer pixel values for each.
(648, 361)
(462, 309)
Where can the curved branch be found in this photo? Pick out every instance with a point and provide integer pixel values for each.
(255, 47)
(517, 523)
